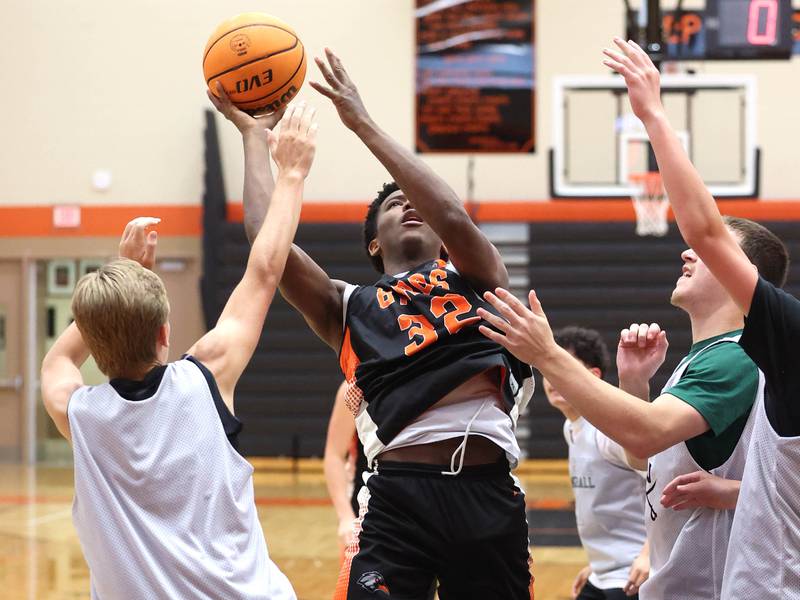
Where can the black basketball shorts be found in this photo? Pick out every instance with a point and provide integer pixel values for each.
(416, 526)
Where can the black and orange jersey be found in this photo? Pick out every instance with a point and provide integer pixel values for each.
(409, 341)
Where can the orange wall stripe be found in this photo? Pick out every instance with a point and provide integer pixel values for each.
(100, 221)
(186, 220)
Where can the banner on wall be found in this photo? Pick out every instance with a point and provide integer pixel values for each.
(475, 80)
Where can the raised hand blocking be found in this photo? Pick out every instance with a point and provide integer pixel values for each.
(342, 91)
(641, 351)
(137, 243)
(293, 148)
(641, 76)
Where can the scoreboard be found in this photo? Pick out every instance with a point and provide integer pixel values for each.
(748, 29)
(733, 30)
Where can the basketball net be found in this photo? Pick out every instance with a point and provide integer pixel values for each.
(650, 203)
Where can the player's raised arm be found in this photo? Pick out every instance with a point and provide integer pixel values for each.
(695, 210)
(435, 201)
(228, 347)
(641, 428)
(304, 284)
(61, 366)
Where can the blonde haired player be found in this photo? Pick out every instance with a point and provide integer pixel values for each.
(763, 558)
(164, 504)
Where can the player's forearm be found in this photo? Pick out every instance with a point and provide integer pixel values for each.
(272, 244)
(69, 346)
(619, 415)
(258, 182)
(337, 484)
(635, 386)
(429, 194)
(695, 210)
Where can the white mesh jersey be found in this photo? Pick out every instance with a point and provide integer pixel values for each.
(609, 501)
(164, 506)
(764, 553)
(688, 547)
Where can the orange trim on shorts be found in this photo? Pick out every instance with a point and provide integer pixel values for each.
(343, 582)
(187, 219)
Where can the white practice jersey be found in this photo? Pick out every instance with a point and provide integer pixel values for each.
(609, 501)
(764, 554)
(688, 547)
(164, 506)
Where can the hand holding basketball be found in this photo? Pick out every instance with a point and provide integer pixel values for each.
(294, 146)
(137, 243)
(245, 122)
(343, 91)
(641, 76)
(641, 351)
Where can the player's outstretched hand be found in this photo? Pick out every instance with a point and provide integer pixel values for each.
(139, 244)
(244, 121)
(524, 332)
(701, 490)
(641, 351)
(580, 580)
(342, 91)
(293, 148)
(641, 77)
(640, 571)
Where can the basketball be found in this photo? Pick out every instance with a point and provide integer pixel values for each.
(259, 60)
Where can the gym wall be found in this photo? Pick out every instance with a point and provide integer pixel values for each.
(125, 92)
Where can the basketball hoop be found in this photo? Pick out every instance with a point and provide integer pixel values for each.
(650, 203)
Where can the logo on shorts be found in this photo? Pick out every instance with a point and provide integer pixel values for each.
(240, 43)
(373, 582)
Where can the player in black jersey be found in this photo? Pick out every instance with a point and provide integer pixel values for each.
(435, 402)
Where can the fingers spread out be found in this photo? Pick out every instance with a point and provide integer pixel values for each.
(502, 307)
(498, 338)
(326, 72)
(307, 119)
(325, 91)
(493, 320)
(512, 301)
(295, 119)
(338, 68)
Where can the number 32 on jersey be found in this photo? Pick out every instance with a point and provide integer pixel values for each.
(447, 308)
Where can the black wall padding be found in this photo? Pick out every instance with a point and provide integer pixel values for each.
(214, 214)
(601, 275)
(286, 394)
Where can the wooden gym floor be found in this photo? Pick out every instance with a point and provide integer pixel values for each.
(40, 558)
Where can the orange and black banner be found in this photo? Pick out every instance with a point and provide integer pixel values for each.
(476, 84)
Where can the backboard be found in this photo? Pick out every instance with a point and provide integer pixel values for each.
(593, 127)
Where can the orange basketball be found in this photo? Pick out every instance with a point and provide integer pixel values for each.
(259, 60)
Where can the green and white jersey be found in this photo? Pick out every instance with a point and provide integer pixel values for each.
(688, 547)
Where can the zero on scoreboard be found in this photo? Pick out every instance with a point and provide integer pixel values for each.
(732, 30)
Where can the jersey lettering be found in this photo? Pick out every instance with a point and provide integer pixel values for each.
(418, 327)
(385, 299)
(438, 277)
(404, 291)
(460, 306)
(418, 281)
